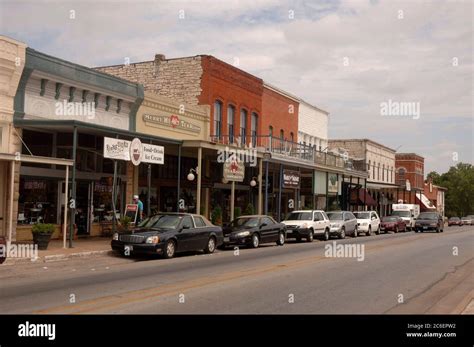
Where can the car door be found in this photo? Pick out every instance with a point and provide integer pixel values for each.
(350, 221)
(318, 223)
(188, 239)
(202, 231)
(374, 220)
(268, 230)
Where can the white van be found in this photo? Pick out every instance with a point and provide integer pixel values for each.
(408, 212)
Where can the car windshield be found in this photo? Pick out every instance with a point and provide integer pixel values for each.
(300, 216)
(430, 216)
(402, 213)
(454, 218)
(362, 215)
(162, 221)
(244, 222)
(389, 219)
(335, 216)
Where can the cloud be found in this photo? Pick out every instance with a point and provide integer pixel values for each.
(398, 50)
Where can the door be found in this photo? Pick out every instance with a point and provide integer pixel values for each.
(318, 223)
(269, 232)
(202, 232)
(187, 237)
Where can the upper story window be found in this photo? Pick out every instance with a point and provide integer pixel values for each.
(368, 168)
(383, 172)
(253, 128)
(218, 119)
(230, 122)
(243, 126)
(401, 176)
(292, 137)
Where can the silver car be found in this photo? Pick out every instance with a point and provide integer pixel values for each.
(468, 220)
(342, 223)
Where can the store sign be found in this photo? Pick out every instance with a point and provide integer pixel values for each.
(234, 170)
(291, 179)
(136, 151)
(153, 154)
(116, 149)
(332, 183)
(174, 121)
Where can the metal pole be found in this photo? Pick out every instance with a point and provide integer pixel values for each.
(232, 198)
(66, 193)
(260, 170)
(73, 188)
(327, 202)
(114, 180)
(12, 191)
(178, 185)
(266, 188)
(279, 192)
(148, 198)
(365, 194)
(199, 176)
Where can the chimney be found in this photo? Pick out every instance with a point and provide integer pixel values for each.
(159, 58)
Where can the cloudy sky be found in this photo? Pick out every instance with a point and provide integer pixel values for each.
(346, 57)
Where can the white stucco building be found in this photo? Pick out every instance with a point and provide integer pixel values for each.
(313, 126)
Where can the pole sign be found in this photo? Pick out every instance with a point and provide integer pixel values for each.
(234, 170)
(291, 179)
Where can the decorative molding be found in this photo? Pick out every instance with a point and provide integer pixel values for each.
(58, 90)
(44, 82)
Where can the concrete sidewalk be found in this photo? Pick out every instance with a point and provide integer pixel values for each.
(95, 246)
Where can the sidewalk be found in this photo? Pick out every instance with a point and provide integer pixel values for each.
(95, 246)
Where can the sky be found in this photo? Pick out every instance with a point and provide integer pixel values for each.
(346, 57)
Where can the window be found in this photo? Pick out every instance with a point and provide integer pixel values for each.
(267, 221)
(368, 168)
(282, 138)
(270, 136)
(253, 129)
(373, 171)
(243, 126)
(378, 171)
(218, 119)
(187, 222)
(383, 172)
(230, 122)
(199, 222)
(318, 216)
(401, 176)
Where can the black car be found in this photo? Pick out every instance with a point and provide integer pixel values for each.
(429, 221)
(168, 233)
(254, 230)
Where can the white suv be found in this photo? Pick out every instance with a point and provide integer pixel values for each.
(368, 222)
(307, 224)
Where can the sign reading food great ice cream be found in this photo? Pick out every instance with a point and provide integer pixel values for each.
(153, 154)
(174, 121)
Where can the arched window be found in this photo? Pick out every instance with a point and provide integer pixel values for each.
(218, 119)
(243, 126)
(253, 128)
(230, 122)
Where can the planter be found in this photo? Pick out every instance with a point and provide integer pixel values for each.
(42, 240)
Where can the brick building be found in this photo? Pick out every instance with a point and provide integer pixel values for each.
(435, 194)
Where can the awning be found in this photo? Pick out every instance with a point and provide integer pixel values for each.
(362, 197)
(425, 202)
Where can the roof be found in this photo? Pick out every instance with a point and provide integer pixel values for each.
(363, 140)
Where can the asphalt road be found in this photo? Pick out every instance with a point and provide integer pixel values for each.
(399, 273)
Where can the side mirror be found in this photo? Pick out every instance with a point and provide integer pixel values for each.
(263, 225)
(185, 227)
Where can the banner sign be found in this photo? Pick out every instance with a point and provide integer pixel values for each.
(116, 149)
(134, 151)
(153, 154)
(234, 170)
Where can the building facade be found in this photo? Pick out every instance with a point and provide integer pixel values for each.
(313, 124)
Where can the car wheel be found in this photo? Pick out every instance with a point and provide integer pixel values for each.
(396, 230)
(281, 239)
(255, 241)
(356, 232)
(326, 235)
(170, 249)
(310, 236)
(437, 229)
(211, 245)
(342, 234)
(377, 232)
(369, 232)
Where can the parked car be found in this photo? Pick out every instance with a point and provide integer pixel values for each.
(454, 221)
(254, 230)
(307, 224)
(429, 221)
(368, 222)
(342, 223)
(466, 221)
(393, 223)
(168, 233)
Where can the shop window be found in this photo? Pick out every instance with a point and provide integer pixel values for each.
(230, 122)
(217, 119)
(37, 201)
(39, 144)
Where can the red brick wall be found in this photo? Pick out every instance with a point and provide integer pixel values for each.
(415, 169)
(277, 113)
(232, 86)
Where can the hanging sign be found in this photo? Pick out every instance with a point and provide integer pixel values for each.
(116, 149)
(234, 170)
(134, 151)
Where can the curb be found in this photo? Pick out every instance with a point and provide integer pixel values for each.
(57, 257)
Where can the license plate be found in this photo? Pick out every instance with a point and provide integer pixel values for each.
(128, 248)
(425, 228)
(226, 239)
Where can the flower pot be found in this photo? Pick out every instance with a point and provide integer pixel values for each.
(42, 240)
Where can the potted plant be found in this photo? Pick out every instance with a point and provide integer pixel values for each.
(42, 234)
(237, 212)
(216, 215)
(249, 210)
(125, 223)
